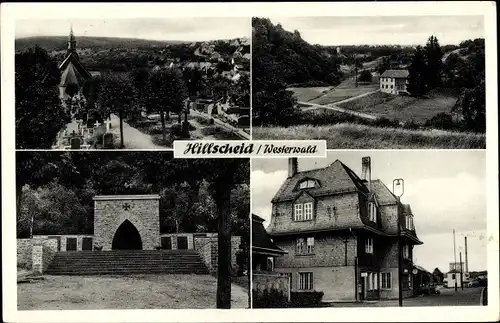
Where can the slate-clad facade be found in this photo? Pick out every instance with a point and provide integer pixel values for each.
(340, 233)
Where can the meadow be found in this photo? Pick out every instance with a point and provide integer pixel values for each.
(359, 136)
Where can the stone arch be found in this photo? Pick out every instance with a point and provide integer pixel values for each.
(126, 237)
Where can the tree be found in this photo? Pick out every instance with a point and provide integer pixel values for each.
(471, 104)
(416, 80)
(365, 76)
(434, 63)
(39, 112)
(117, 95)
(438, 275)
(167, 93)
(140, 79)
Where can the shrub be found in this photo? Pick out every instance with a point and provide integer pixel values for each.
(444, 121)
(269, 298)
(385, 122)
(306, 299)
(411, 124)
(176, 129)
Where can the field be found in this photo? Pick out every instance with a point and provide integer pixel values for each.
(356, 136)
(124, 292)
(328, 95)
(402, 108)
(306, 94)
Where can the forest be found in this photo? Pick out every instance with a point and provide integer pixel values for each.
(55, 189)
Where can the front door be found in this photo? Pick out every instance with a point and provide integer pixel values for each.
(182, 242)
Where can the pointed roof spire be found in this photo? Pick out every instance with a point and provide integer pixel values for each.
(71, 35)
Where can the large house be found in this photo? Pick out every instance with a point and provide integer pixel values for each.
(340, 234)
(394, 81)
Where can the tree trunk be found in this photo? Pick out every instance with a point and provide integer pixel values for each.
(122, 144)
(163, 130)
(19, 194)
(222, 199)
(179, 117)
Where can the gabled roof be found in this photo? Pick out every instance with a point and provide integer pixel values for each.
(396, 74)
(384, 195)
(73, 58)
(71, 75)
(335, 178)
(260, 239)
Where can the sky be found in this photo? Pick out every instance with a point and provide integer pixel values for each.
(379, 30)
(446, 191)
(186, 29)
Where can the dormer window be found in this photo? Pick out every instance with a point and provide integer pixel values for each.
(308, 183)
(372, 212)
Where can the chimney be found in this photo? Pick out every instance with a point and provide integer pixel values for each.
(366, 171)
(292, 167)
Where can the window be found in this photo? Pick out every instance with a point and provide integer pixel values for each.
(330, 210)
(406, 251)
(303, 212)
(307, 184)
(453, 276)
(406, 281)
(310, 245)
(409, 222)
(392, 86)
(270, 264)
(297, 214)
(300, 246)
(305, 246)
(369, 245)
(385, 280)
(372, 209)
(308, 211)
(305, 281)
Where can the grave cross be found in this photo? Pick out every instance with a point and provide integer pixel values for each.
(97, 124)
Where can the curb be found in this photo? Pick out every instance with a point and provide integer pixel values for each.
(482, 297)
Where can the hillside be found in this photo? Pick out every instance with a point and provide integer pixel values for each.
(292, 59)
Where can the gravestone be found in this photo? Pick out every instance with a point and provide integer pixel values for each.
(75, 143)
(107, 140)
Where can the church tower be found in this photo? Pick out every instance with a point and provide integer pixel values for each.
(71, 42)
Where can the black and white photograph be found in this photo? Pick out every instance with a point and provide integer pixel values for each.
(370, 82)
(131, 230)
(131, 83)
(370, 229)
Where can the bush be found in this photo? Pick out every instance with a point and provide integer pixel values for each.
(269, 298)
(443, 121)
(385, 122)
(411, 124)
(306, 299)
(176, 129)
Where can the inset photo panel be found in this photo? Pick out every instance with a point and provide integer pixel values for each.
(131, 230)
(370, 229)
(131, 83)
(370, 82)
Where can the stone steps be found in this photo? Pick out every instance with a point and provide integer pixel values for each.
(122, 262)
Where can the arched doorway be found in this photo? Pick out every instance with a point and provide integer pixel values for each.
(127, 237)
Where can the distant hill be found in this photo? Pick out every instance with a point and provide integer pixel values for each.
(56, 43)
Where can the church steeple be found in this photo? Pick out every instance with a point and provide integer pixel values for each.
(71, 41)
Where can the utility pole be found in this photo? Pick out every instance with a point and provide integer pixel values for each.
(399, 182)
(455, 257)
(466, 261)
(461, 273)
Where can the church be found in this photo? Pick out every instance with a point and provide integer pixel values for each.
(75, 79)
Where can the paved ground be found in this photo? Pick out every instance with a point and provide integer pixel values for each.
(448, 297)
(133, 138)
(124, 292)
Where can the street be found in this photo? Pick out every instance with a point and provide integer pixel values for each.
(448, 297)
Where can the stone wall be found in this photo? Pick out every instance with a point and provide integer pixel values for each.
(63, 238)
(262, 280)
(141, 210)
(174, 236)
(207, 247)
(42, 254)
(24, 249)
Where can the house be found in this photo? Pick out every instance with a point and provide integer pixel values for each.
(264, 254)
(394, 81)
(456, 275)
(340, 233)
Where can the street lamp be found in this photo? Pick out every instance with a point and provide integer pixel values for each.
(399, 182)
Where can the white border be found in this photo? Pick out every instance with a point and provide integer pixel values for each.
(137, 10)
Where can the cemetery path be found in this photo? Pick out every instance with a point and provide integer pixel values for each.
(134, 139)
